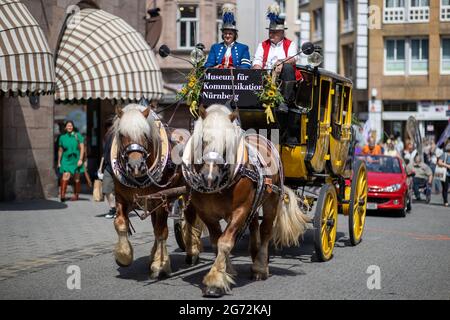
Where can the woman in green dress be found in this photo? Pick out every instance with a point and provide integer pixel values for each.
(70, 159)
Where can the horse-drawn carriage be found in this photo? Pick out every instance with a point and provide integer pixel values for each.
(242, 176)
(323, 156)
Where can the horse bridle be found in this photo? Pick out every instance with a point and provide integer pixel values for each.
(195, 179)
(133, 147)
(153, 174)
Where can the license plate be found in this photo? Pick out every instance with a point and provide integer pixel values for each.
(372, 206)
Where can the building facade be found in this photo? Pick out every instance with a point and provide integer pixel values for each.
(409, 63)
(185, 23)
(339, 27)
(29, 127)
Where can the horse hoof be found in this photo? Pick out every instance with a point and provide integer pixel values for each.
(159, 275)
(213, 292)
(122, 264)
(259, 276)
(123, 260)
(192, 260)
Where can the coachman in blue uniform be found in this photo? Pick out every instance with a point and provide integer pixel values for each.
(229, 53)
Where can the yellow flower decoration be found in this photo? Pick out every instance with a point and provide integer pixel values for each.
(191, 90)
(269, 97)
(268, 112)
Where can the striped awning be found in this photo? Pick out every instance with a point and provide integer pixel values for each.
(102, 56)
(26, 62)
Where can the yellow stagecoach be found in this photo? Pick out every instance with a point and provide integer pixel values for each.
(324, 157)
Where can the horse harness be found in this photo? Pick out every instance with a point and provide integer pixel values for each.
(255, 172)
(163, 165)
(161, 173)
(254, 169)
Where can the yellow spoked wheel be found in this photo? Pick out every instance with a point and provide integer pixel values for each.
(325, 222)
(358, 203)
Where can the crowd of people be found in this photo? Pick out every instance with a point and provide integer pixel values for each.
(429, 170)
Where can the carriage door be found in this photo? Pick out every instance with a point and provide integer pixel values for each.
(324, 107)
(339, 132)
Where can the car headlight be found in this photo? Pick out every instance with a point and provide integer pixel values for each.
(392, 188)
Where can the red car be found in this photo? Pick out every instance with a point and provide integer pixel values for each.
(388, 183)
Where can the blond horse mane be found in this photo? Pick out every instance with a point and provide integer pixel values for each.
(135, 126)
(216, 133)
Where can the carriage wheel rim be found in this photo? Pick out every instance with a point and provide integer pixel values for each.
(359, 205)
(328, 234)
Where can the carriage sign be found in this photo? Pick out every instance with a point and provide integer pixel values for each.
(218, 86)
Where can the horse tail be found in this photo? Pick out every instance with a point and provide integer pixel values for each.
(290, 222)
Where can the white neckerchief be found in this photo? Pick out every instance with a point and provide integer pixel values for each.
(228, 53)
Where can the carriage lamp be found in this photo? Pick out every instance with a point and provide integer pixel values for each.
(197, 55)
(315, 59)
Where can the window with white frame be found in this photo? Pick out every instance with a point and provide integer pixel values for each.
(401, 11)
(394, 11)
(394, 56)
(300, 4)
(317, 35)
(419, 11)
(187, 26)
(219, 23)
(418, 56)
(445, 10)
(408, 56)
(445, 55)
(282, 4)
(348, 16)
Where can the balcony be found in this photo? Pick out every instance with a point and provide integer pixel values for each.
(394, 15)
(445, 13)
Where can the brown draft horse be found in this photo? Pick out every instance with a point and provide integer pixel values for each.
(220, 164)
(140, 159)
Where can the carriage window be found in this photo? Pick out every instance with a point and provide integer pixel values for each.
(346, 105)
(337, 105)
(303, 98)
(324, 94)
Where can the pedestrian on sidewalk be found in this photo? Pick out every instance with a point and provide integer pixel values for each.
(432, 155)
(444, 161)
(423, 176)
(70, 159)
(107, 172)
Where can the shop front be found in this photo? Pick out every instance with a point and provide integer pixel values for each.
(101, 63)
(26, 79)
(432, 117)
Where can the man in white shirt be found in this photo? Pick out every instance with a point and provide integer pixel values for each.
(271, 54)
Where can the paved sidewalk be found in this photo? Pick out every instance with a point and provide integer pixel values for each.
(38, 233)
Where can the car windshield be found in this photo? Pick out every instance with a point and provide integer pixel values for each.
(381, 164)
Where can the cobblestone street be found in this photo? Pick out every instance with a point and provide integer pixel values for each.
(40, 239)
